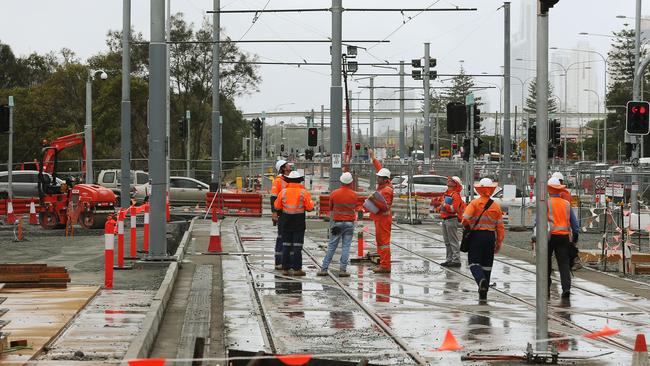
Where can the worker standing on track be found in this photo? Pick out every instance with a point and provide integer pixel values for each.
(293, 201)
(484, 217)
(451, 213)
(563, 229)
(343, 209)
(383, 219)
(574, 257)
(283, 168)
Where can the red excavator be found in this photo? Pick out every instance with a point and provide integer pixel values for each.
(68, 203)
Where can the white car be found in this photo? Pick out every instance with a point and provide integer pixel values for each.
(425, 183)
(182, 191)
(512, 202)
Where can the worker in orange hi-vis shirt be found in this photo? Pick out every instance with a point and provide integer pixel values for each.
(383, 219)
(279, 183)
(564, 193)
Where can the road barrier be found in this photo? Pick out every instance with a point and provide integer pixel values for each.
(109, 244)
(235, 204)
(33, 218)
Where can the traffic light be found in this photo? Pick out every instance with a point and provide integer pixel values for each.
(477, 119)
(257, 127)
(466, 148)
(416, 63)
(532, 135)
(4, 118)
(282, 147)
(637, 120)
(546, 4)
(357, 146)
(182, 127)
(456, 118)
(416, 74)
(312, 136)
(454, 148)
(554, 131)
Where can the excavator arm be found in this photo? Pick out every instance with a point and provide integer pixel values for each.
(51, 150)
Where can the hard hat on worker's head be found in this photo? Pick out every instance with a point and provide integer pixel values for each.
(554, 185)
(485, 187)
(558, 175)
(346, 178)
(485, 182)
(279, 164)
(383, 172)
(456, 180)
(294, 175)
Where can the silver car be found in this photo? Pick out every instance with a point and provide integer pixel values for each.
(24, 183)
(182, 191)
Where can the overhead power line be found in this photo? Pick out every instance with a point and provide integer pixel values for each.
(305, 10)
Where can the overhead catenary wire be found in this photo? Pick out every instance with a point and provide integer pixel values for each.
(305, 10)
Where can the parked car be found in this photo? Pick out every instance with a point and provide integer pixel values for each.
(111, 179)
(421, 184)
(512, 202)
(24, 183)
(182, 191)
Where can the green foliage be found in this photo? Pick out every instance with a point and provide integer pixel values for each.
(531, 100)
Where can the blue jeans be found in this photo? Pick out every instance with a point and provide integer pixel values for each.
(344, 230)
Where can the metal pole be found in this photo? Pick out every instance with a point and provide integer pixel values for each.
(566, 76)
(263, 153)
(125, 165)
(251, 156)
(216, 113)
(168, 152)
(157, 96)
(541, 249)
(470, 173)
(402, 137)
(187, 143)
(88, 129)
(371, 140)
(427, 106)
(507, 144)
(322, 140)
(336, 96)
(11, 148)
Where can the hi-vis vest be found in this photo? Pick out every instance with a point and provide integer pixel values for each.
(290, 206)
(343, 202)
(278, 185)
(559, 216)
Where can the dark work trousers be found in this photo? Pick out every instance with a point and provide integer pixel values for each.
(278, 242)
(292, 249)
(481, 254)
(561, 246)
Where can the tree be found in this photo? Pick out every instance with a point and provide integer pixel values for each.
(531, 100)
(461, 86)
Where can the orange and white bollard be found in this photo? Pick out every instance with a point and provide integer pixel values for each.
(11, 218)
(360, 244)
(146, 228)
(167, 208)
(215, 234)
(121, 215)
(134, 214)
(640, 355)
(109, 239)
(33, 219)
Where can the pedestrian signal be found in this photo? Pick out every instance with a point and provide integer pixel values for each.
(637, 120)
(312, 136)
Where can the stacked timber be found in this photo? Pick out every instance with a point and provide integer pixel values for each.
(18, 275)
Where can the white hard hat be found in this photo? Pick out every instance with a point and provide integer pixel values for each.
(553, 181)
(457, 180)
(558, 175)
(383, 172)
(346, 178)
(294, 175)
(485, 182)
(279, 164)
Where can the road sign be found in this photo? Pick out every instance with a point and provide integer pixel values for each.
(469, 99)
(599, 185)
(336, 161)
(615, 189)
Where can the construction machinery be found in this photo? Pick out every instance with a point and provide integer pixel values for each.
(69, 203)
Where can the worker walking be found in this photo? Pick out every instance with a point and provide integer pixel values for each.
(574, 257)
(383, 218)
(451, 213)
(484, 218)
(563, 229)
(343, 208)
(293, 201)
(565, 194)
(283, 168)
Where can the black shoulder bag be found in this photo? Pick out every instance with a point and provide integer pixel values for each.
(467, 231)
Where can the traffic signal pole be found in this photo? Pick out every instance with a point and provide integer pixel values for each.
(187, 145)
(402, 136)
(541, 247)
(427, 104)
(125, 144)
(371, 140)
(215, 180)
(636, 95)
(336, 96)
(507, 145)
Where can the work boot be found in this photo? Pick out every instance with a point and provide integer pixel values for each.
(454, 264)
(482, 295)
(566, 294)
(381, 270)
(445, 264)
(278, 266)
(344, 273)
(285, 272)
(299, 272)
(483, 285)
(322, 272)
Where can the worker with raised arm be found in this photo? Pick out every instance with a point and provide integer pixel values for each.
(484, 218)
(283, 168)
(293, 201)
(383, 217)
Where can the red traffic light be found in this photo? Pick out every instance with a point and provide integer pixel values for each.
(312, 136)
(637, 118)
(357, 146)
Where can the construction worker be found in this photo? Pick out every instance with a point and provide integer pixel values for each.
(282, 167)
(484, 218)
(563, 231)
(293, 201)
(343, 208)
(576, 262)
(451, 213)
(383, 219)
(565, 194)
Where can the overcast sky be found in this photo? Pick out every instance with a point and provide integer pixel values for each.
(475, 37)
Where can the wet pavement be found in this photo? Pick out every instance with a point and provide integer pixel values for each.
(417, 303)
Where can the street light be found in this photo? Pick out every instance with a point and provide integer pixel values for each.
(88, 128)
(604, 128)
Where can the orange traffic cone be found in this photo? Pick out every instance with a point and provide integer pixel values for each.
(11, 218)
(33, 219)
(450, 343)
(19, 231)
(148, 362)
(215, 234)
(640, 355)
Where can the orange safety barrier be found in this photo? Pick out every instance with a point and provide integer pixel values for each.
(324, 204)
(19, 206)
(109, 244)
(235, 204)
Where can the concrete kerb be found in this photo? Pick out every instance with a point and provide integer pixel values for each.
(142, 344)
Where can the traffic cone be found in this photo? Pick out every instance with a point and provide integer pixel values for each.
(450, 343)
(121, 215)
(167, 208)
(33, 219)
(109, 246)
(146, 228)
(640, 355)
(11, 218)
(215, 234)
